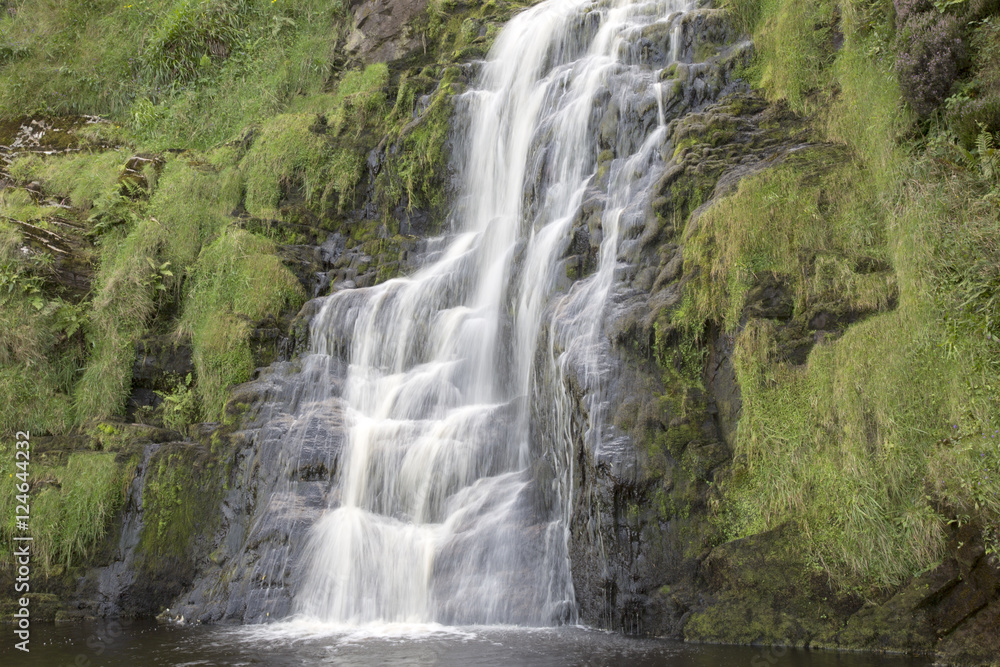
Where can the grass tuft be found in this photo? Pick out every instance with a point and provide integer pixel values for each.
(237, 282)
(122, 306)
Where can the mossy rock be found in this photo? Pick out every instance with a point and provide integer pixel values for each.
(43, 607)
(765, 594)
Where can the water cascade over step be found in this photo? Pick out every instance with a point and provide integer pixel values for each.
(442, 512)
(417, 464)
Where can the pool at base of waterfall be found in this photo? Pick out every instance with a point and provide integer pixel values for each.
(120, 644)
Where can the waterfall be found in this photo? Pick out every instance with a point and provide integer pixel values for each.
(449, 506)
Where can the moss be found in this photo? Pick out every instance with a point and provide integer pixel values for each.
(604, 159)
(766, 595)
(421, 166)
(183, 487)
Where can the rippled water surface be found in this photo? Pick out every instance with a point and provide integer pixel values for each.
(149, 645)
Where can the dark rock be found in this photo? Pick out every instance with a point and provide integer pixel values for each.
(133, 182)
(160, 362)
(379, 29)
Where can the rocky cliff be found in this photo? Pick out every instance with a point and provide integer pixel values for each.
(799, 411)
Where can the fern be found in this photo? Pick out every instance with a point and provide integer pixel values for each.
(989, 154)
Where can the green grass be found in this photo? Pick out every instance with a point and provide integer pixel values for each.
(807, 221)
(360, 99)
(72, 511)
(85, 178)
(193, 203)
(237, 281)
(122, 306)
(285, 155)
(177, 71)
(890, 430)
(793, 40)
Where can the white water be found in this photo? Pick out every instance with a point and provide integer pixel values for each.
(443, 511)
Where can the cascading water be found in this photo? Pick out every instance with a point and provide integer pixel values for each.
(449, 507)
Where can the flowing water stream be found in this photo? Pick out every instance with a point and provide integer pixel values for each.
(440, 513)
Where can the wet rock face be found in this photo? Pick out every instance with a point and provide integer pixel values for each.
(758, 591)
(279, 483)
(641, 487)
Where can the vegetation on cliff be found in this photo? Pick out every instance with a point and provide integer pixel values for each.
(887, 245)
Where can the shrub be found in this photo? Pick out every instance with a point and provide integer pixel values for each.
(907, 8)
(929, 50)
(966, 116)
(980, 98)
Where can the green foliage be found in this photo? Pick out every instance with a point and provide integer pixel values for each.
(17, 204)
(987, 155)
(943, 5)
(148, 247)
(122, 306)
(76, 507)
(180, 407)
(849, 445)
(237, 281)
(286, 155)
(745, 14)
(193, 34)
